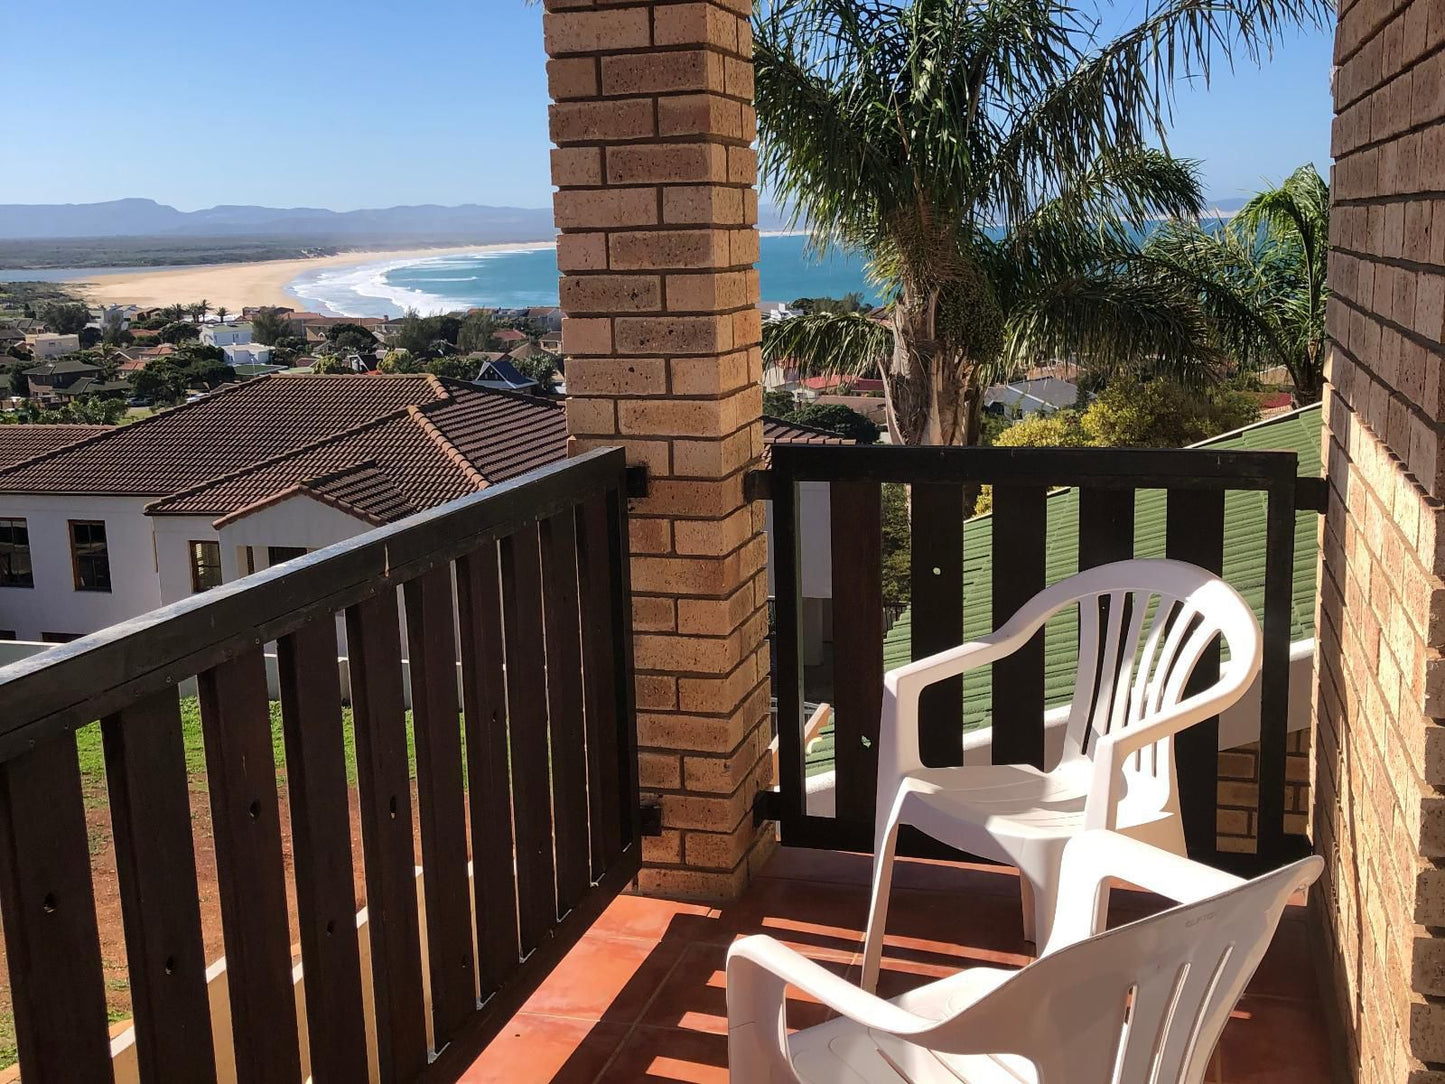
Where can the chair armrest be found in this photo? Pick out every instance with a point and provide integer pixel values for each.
(1095, 857)
(904, 685)
(1113, 749)
(760, 969)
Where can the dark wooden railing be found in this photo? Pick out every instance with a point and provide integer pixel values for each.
(1195, 483)
(526, 584)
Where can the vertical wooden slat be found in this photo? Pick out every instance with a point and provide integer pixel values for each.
(1274, 673)
(373, 640)
(786, 558)
(619, 565)
(857, 545)
(494, 887)
(564, 708)
(241, 776)
(1194, 532)
(936, 579)
(52, 944)
(604, 793)
(150, 813)
(441, 805)
(527, 704)
(1106, 526)
(1020, 540)
(321, 840)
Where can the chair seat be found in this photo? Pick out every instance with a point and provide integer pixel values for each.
(842, 1052)
(1015, 800)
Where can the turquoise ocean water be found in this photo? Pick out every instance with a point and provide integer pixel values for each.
(528, 276)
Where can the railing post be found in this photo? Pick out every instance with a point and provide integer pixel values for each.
(653, 121)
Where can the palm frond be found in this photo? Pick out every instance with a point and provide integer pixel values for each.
(829, 343)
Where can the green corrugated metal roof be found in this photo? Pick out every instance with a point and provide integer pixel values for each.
(1244, 534)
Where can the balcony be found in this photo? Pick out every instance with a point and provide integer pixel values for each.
(421, 882)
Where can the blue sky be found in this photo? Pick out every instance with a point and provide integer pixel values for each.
(367, 103)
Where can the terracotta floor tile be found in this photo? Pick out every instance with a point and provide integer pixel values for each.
(646, 919)
(605, 977)
(537, 1049)
(817, 918)
(1287, 969)
(942, 928)
(667, 1056)
(839, 867)
(694, 996)
(1272, 1040)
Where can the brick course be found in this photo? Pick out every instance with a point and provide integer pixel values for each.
(1379, 747)
(653, 117)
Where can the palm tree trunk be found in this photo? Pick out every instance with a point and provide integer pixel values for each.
(926, 383)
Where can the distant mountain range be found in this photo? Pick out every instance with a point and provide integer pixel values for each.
(147, 218)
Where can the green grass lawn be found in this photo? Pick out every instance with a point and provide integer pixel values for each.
(92, 753)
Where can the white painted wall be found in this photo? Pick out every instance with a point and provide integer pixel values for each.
(53, 604)
(173, 537)
(297, 521)
(815, 510)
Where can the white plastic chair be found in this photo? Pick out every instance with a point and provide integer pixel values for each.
(1141, 1004)
(1143, 626)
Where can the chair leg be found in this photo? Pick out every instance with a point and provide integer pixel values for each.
(1042, 899)
(1026, 895)
(883, 855)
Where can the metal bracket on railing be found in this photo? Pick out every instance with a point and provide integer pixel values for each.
(767, 806)
(757, 486)
(650, 821)
(637, 480)
(1312, 494)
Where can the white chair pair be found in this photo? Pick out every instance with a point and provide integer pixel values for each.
(1143, 1003)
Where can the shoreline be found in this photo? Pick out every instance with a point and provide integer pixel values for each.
(263, 282)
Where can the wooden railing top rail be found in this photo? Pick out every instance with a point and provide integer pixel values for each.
(1134, 468)
(74, 684)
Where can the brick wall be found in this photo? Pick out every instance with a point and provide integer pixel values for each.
(1237, 802)
(1379, 758)
(653, 122)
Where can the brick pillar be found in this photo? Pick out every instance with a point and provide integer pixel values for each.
(653, 122)
(1379, 814)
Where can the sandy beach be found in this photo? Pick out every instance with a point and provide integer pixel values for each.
(236, 285)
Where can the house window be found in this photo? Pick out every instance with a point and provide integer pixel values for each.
(205, 566)
(89, 555)
(59, 637)
(15, 554)
(275, 555)
(7, 634)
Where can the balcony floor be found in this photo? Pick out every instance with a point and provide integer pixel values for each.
(641, 997)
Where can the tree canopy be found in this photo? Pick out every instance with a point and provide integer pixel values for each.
(917, 132)
(66, 317)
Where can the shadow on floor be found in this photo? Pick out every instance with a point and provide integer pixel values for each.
(641, 998)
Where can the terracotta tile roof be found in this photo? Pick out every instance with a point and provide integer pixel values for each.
(21, 442)
(411, 459)
(226, 431)
(781, 432)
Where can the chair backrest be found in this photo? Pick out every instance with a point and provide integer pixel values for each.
(1141, 1004)
(1143, 627)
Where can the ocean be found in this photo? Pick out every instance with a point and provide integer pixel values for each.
(527, 276)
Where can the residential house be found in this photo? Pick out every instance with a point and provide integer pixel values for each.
(126, 520)
(224, 335)
(53, 377)
(502, 375)
(546, 318)
(508, 338)
(777, 310)
(247, 354)
(95, 386)
(1021, 397)
(21, 442)
(49, 345)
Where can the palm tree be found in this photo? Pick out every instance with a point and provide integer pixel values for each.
(199, 310)
(1258, 280)
(221, 313)
(990, 160)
